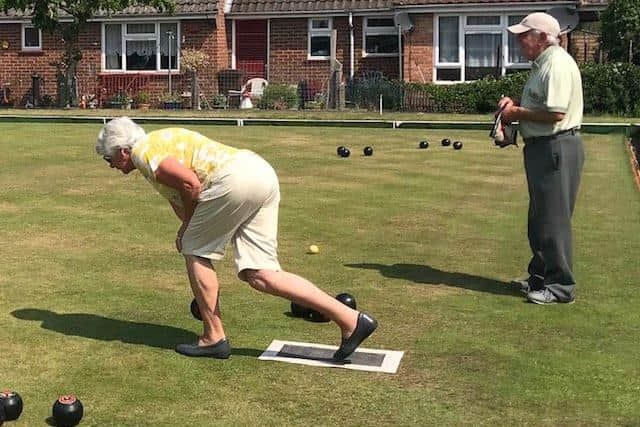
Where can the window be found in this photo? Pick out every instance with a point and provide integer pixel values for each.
(513, 51)
(471, 47)
(320, 38)
(140, 46)
(31, 38)
(380, 37)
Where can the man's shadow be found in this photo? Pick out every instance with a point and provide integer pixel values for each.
(432, 276)
(106, 329)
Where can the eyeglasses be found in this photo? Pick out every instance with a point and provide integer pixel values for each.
(107, 159)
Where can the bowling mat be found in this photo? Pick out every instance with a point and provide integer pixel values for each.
(364, 359)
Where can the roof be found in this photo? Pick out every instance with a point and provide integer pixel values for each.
(253, 7)
(292, 7)
(183, 8)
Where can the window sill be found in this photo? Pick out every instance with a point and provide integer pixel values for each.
(32, 52)
(150, 73)
(380, 55)
(318, 58)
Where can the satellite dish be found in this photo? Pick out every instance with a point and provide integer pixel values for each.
(402, 20)
(566, 16)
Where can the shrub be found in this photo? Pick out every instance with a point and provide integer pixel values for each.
(611, 88)
(279, 97)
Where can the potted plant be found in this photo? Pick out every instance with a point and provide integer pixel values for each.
(142, 100)
(172, 102)
(120, 100)
(194, 61)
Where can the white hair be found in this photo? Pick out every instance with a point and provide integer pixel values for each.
(551, 40)
(119, 133)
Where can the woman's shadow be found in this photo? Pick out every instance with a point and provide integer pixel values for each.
(106, 329)
(427, 275)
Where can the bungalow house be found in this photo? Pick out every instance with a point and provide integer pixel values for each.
(285, 41)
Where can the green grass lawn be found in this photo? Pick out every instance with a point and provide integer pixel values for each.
(93, 296)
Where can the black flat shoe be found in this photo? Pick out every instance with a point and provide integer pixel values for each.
(219, 350)
(365, 327)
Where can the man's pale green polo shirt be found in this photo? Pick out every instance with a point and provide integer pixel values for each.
(554, 85)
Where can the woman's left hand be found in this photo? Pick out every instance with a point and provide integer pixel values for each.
(179, 235)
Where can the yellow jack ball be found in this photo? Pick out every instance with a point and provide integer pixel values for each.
(313, 249)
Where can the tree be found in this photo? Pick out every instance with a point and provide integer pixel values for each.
(46, 16)
(620, 37)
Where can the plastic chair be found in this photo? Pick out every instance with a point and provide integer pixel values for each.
(251, 90)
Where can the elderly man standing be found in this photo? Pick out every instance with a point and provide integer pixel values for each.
(549, 114)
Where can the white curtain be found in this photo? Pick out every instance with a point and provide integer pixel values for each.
(113, 46)
(514, 49)
(481, 50)
(141, 47)
(448, 42)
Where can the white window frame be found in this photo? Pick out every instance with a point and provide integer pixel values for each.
(377, 31)
(319, 32)
(463, 30)
(124, 37)
(22, 37)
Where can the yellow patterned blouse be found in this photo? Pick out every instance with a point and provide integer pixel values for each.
(194, 151)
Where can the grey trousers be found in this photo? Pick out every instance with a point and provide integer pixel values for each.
(553, 169)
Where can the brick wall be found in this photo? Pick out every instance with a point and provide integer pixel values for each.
(584, 47)
(288, 61)
(16, 67)
(418, 50)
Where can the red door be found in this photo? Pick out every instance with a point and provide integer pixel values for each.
(251, 48)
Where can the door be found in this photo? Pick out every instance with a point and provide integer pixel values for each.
(251, 48)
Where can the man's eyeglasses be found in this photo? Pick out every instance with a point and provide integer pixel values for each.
(107, 159)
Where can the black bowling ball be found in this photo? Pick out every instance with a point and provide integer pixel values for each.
(316, 316)
(340, 148)
(11, 403)
(457, 145)
(446, 142)
(298, 310)
(67, 411)
(345, 153)
(195, 310)
(424, 144)
(368, 151)
(347, 299)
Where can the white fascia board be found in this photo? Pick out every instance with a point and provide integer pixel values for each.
(483, 7)
(172, 18)
(238, 16)
(227, 6)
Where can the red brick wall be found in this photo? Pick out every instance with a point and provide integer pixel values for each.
(288, 52)
(584, 47)
(418, 50)
(16, 67)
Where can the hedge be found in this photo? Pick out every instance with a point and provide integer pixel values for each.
(608, 89)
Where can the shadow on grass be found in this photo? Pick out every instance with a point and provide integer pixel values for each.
(432, 276)
(106, 329)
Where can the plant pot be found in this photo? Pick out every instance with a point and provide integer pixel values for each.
(172, 105)
(144, 107)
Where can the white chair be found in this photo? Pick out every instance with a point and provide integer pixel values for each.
(255, 87)
(251, 90)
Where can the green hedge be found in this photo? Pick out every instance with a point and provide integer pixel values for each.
(279, 97)
(608, 89)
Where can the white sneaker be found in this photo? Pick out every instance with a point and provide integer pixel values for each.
(545, 297)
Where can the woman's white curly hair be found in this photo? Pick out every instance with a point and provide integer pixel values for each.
(121, 132)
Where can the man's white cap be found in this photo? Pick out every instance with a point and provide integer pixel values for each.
(540, 21)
